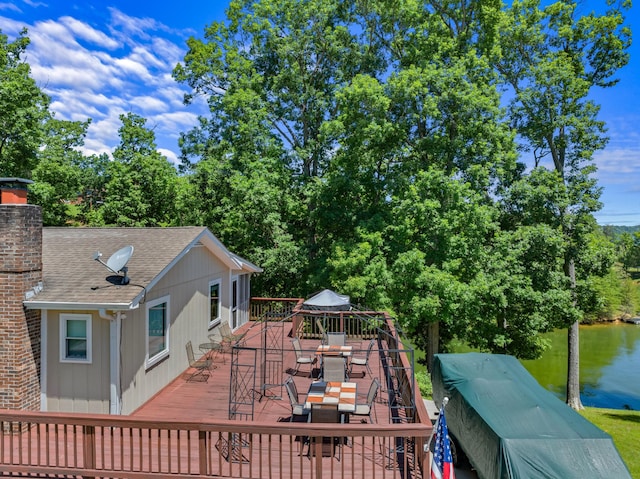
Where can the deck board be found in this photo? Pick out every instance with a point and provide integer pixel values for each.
(187, 400)
(364, 457)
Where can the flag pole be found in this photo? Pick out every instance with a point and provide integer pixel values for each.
(427, 447)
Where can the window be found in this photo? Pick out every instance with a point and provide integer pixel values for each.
(75, 338)
(157, 330)
(215, 303)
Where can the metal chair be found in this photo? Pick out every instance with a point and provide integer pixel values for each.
(228, 337)
(301, 358)
(297, 408)
(333, 369)
(322, 330)
(365, 409)
(201, 366)
(336, 339)
(329, 445)
(356, 361)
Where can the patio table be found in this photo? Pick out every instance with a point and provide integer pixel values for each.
(210, 349)
(334, 350)
(342, 394)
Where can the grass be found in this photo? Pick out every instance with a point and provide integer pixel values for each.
(624, 427)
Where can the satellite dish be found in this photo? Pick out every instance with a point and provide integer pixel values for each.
(117, 262)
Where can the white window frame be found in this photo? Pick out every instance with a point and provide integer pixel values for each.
(215, 321)
(235, 301)
(64, 318)
(152, 361)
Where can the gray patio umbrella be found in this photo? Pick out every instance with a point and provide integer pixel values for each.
(328, 300)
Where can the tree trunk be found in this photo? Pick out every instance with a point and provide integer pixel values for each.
(573, 371)
(573, 352)
(432, 345)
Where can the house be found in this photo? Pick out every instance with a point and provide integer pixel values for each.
(76, 336)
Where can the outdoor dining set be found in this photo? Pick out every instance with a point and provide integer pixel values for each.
(210, 351)
(332, 397)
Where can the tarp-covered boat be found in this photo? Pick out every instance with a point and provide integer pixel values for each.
(512, 428)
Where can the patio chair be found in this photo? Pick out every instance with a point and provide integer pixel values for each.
(322, 330)
(330, 445)
(301, 358)
(228, 337)
(201, 366)
(336, 339)
(365, 409)
(297, 408)
(333, 369)
(356, 361)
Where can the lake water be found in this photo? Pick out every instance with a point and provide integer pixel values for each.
(609, 365)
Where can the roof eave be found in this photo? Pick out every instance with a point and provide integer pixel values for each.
(245, 265)
(78, 306)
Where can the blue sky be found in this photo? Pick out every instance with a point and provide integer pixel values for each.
(101, 59)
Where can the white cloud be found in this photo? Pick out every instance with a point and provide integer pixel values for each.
(170, 155)
(34, 4)
(11, 27)
(144, 55)
(49, 77)
(126, 67)
(10, 6)
(126, 27)
(172, 94)
(86, 32)
(103, 71)
(171, 124)
(150, 104)
(618, 161)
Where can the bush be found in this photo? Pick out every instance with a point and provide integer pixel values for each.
(424, 383)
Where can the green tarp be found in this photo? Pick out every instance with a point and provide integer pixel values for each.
(512, 428)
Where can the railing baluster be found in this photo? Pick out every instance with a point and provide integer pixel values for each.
(252, 450)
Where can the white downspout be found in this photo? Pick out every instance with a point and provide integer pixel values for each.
(44, 338)
(115, 329)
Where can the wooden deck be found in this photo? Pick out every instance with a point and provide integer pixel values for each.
(207, 398)
(185, 431)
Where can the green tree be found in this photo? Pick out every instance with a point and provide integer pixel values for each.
(93, 180)
(57, 174)
(270, 74)
(435, 112)
(140, 190)
(629, 250)
(552, 58)
(23, 110)
(441, 236)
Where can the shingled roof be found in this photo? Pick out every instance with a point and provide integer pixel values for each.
(73, 280)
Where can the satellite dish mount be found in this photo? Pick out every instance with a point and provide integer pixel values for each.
(117, 263)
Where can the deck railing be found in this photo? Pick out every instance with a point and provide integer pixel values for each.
(115, 446)
(261, 307)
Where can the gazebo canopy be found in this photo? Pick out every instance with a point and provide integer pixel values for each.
(328, 300)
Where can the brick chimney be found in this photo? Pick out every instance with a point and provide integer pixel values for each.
(20, 272)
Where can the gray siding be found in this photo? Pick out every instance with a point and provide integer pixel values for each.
(78, 387)
(86, 387)
(187, 286)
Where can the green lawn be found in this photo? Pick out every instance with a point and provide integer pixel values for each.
(624, 427)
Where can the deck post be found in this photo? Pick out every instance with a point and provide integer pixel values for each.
(202, 441)
(89, 446)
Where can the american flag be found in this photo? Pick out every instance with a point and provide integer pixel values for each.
(442, 462)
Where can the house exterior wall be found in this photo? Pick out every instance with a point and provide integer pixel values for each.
(78, 387)
(187, 287)
(20, 273)
(86, 387)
